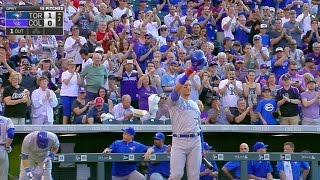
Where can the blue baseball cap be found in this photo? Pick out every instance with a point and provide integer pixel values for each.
(150, 35)
(129, 130)
(169, 38)
(264, 66)
(42, 140)
(206, 146)
(159, 136)
(82, 90)
(173, 30)
(259, 145)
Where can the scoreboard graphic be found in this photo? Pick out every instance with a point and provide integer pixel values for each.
(34, 20)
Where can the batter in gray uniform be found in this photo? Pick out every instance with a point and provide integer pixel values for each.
(6, 137)
(38, 150)
(186, 142)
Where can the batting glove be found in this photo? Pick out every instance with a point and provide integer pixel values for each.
(29, 174)
(8, 149)
(51, 155)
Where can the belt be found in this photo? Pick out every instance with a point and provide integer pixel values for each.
(186, 135)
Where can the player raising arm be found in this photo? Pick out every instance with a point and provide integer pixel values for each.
(184, 113)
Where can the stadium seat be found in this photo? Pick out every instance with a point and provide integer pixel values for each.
(167, 122)
(132, 121)
(111, 121)
(153, 121)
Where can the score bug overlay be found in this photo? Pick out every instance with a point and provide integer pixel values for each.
(34, 20)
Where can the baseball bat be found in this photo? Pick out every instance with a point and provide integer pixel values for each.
(207, 163)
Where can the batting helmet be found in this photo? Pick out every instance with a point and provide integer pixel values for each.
(42, 139)
(159, 136)
(198, 59)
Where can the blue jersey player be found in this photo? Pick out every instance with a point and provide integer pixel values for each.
(206, 173)
(159, 170)
(126, 170)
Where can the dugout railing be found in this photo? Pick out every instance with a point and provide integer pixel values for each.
(101, 159)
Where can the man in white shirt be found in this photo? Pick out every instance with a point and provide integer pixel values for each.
(122, 9)
(69, 12)
(172, 20)
(152, 23)
(124, 110)
(228, 22)
(259, 52)
(305, 18)
(230, 89)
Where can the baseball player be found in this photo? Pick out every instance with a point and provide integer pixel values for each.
(159, 170)
(185, 117)
(260, 169)
(37, 152)
(206, 173)
(235, 165)
(127, 170)
(6, 138)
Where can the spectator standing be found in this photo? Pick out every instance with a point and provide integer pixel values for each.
(129, 79)
(310, 104)
(102, 92)
(208, 21)
(22, 43)
(272, 84)
(279, 37)
(296, 79)
(230, 89)
(296, 54)
(123, 8)
(229, 22)
(280, 64)
(266, 108)
(152, 23)
(91, 44)
(288, 99)
(169, 79)
(16, 100)
(73, 45)
(69, 12)
(172, 20)
(43, 102)
(240, 31)
(296, 5)
(102, 16)
(82, 19)
(305, 18)
(69, 89)
(260, 52)
(309, 67)
(251, 89)
(145, 90)
(95, 75)
(294, 28)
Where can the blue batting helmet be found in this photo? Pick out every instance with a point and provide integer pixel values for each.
(159, 136)
(42, 139)
(198, 59)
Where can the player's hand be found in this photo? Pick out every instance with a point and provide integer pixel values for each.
(214, 174)
(9, 149)
(29, 174)
(146, 156)
(107, 150)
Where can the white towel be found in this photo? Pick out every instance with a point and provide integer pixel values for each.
(287, 170)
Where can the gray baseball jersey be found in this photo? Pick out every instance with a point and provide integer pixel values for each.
(5, 124)
(30, 147)
(184, 115)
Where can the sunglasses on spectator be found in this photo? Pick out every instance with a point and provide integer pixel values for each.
(74, 29)
(293, 69)
(163, 29)
(100, 52)
(60, 45)
(293, 44)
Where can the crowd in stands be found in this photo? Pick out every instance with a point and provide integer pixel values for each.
(263, 61)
